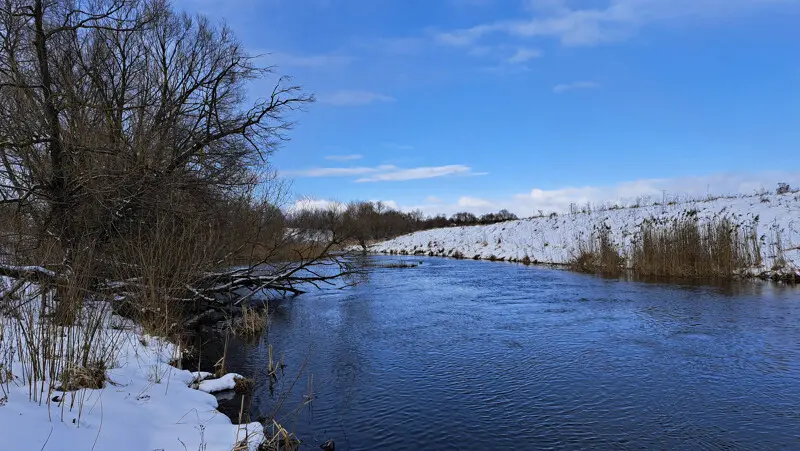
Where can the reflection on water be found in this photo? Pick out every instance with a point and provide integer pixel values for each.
(479, 355)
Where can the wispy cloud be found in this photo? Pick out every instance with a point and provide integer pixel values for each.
(618, 20)
(344, 157)
(420, 173)
(461, 37)
(354, 98)
(474, 203)
(564, 87)
(523, 55)
(385, 173)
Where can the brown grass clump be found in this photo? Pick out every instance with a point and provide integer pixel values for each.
(243, 386)
(78, 377)
(686, 248)
(252, 322)
(598, 255)
(277, 438)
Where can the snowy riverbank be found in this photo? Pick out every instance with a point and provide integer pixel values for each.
(146, 404)
(555, 239)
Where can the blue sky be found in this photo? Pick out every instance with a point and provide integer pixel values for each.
(478, 105)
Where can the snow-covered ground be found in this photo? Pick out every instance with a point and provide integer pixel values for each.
(146, 404)
(554, 239)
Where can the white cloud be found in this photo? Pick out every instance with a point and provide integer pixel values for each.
(433, 200)
(354, 98)
(343, 157)
(523, 55)
(618, 20)
(564, 87)
(419, 173)
(388, 203)
(308, 203)
(462, 37)
(474, 202)
(384, 173)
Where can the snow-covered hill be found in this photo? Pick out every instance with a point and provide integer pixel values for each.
(555, 239)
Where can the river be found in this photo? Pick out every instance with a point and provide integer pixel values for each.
(474, 355)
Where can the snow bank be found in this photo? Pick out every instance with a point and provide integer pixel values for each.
(226, 382)
(200, 376)
(146, 405)
(555, 239)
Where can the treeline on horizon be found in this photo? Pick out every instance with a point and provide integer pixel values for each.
(365, 221)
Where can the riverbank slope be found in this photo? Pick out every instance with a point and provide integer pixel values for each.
(773, 219)
(139, 401)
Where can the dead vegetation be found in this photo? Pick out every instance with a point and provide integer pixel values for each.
(278, 439)
(244, 386)
(77, 377)
(687, 248)
(252, 322)
(684, 247)
(598, 255)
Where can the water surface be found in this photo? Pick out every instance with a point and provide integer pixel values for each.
(472, 355)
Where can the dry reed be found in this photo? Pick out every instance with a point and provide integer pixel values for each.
(599, 255)
(687, 248)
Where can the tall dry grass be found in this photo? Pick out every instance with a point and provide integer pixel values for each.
(687, 248)
(684, 247)
(599, 255)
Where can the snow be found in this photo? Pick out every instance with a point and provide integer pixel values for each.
(226, 382)
(200, 376)
(308, 235)
(554, 239)
(29, 269)
(147, 404)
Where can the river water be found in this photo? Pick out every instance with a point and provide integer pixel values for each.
(472, 355)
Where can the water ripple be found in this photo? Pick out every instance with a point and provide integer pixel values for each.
(467, 355)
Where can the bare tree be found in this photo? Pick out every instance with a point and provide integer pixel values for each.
(116, 114)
